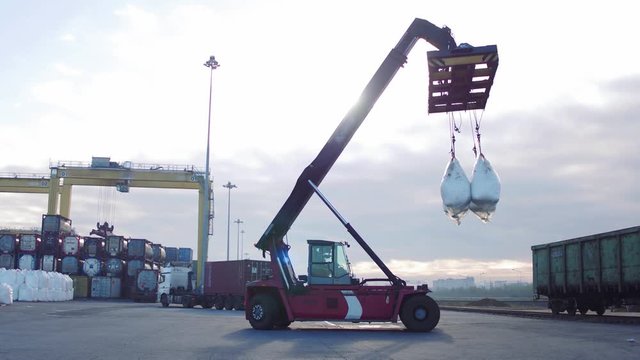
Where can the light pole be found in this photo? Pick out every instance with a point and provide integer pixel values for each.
(212, 64)
(519, 275)
(238, 221)
(229, 186)
(242, 242)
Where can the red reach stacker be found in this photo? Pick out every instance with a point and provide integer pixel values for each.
(460, 78)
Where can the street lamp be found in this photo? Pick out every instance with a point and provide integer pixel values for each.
(519, 275)
(238, 221)
(242, 242)
(212, 64)
(229, 186)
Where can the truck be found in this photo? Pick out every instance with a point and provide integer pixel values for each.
(460, 79)
(224, 284)
(590, 272)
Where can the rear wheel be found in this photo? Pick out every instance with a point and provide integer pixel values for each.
(187, 302)
(207, 303)
(420, 313)
(262, 312)
(219, 304)
(583, 309)
(164, 300)
(228, 303)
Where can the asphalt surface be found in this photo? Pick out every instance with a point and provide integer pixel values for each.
(125, 330)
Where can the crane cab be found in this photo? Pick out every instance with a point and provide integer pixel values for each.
(328, 263)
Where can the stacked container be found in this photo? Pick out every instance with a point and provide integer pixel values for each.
(159, 256)
(185, 255)
(8, 247)
(171, 255)
(93, 254)
(71, 262)
(54, 229)
(110, 285)
(28, 246)
(139, 257)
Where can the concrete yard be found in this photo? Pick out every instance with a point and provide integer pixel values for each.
(126, 330)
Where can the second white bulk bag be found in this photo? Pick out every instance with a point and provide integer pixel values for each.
(485, 189)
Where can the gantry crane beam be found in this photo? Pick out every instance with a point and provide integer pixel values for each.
(24, 185)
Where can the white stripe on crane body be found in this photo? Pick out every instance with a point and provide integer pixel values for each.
(354, 308)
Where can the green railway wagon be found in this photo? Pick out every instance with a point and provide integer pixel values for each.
(590, 272)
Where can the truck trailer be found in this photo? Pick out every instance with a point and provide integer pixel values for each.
(224, 284)
(590, 272)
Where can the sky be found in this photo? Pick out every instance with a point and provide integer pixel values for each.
(125, 80)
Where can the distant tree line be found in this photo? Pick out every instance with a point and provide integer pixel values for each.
(517, 290)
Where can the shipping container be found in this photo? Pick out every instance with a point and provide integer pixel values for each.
(185, 254)
(227, 280)
(27, 261)
(81, 286)
(145, 286)
(71, 245)
(116, 246)
(29, 243)
(139, 249)
(133, 266)
(92, 267)
(93, 248)
(114, 267)
(7, 261)
(159, 254)
(49, 263)
(71, 265)
(106, 287)
(590, 272)
(50, 244)
(56, 224)
(171, 254)
(8, 243)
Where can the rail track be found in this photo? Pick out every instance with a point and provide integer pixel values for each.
(613, 318)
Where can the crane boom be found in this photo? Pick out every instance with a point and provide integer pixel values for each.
(316, 171)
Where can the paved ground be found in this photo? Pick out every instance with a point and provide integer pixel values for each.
(125, 330)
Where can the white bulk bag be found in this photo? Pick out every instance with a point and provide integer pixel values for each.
(485, 189)
(455, 191)
(6, 294)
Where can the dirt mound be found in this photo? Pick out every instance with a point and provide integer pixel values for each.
(488, 302)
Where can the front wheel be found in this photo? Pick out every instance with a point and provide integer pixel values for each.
(420, 313)
(262, 312)
(164, 300)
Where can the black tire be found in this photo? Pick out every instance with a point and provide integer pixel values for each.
(600, 309)
(583, 309)
(238, 303)
(186, 302)
(262, 312)
(282, 324)
(420, 313)
(219, 305)
(164, 300)
(228, 303)
(571, 311)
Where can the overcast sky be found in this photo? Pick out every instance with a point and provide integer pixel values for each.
(124, 79)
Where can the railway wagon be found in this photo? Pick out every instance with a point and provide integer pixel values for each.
(589, 273)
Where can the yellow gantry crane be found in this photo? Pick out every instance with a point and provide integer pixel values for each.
(104, 172)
